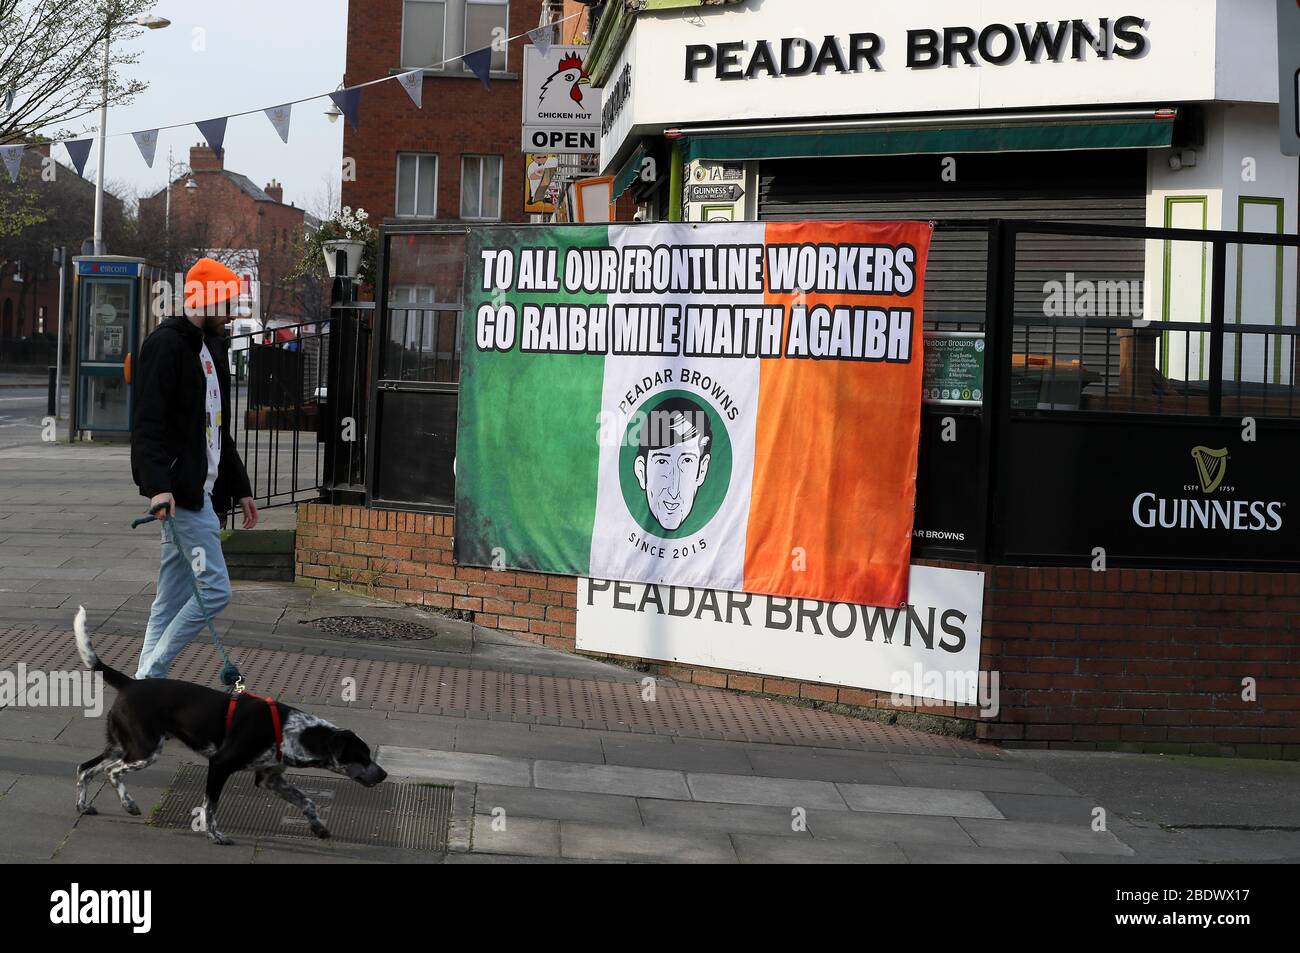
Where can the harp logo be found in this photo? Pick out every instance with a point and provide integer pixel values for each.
(1223, 512)
(1211, 467)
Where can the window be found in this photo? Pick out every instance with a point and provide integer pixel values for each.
(434, 31)
(482, 19)
(417, 185)
(423, 32)
(480, 187)
(412, 325)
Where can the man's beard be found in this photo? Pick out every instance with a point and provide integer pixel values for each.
(214, 326)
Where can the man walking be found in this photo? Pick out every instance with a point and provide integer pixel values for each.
(184, 460)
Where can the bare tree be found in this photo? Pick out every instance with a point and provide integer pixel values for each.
(41, 211)
(52, 59)
(327, 199)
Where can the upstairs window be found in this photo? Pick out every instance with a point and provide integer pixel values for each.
(480, 187)
(424, 28)
(417, 185)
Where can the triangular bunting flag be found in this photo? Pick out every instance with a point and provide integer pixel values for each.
(413, 83)
(147, 143)
(13, 157)
(542, 38)
(279, 116)
(79, 152)
(480, 64)
(214, 131)
(349, 103)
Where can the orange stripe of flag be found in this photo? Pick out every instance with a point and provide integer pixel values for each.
(836, 448)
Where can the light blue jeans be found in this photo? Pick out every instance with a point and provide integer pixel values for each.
(175, 617)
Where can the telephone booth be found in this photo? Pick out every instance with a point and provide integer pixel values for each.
(113, 315)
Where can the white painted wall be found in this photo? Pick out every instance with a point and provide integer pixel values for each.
(1245, 51)
(1241, 141)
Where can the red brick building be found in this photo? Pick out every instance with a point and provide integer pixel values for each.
(458, 158)
(29, 278)
(213, 207)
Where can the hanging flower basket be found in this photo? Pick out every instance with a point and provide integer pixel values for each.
(346, 231)
(353, 250)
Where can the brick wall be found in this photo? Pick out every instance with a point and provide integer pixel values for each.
(406, 557)
(1147, 659)
(1127, 660)
(460, 117)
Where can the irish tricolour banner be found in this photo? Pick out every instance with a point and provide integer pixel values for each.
(724, 406)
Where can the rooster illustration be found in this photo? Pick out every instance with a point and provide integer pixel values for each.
(570, 75)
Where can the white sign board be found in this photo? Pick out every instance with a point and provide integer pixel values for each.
(929, 648)
(561, 109)
(842, 58)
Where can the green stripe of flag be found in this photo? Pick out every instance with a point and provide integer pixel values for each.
(528, 430)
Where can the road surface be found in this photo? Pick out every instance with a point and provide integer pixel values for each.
(21, 411)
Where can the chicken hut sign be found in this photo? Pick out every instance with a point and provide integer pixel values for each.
(561, 109)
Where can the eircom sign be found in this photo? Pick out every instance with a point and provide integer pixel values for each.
(561, 109)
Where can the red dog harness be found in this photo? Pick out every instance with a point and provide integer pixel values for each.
(275, 717)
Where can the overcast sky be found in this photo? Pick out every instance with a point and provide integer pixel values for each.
(258, 53)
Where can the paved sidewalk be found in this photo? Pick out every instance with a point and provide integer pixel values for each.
(552, 756)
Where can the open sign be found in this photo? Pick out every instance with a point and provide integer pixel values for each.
(560, 140)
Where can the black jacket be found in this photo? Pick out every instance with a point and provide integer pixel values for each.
(168, 448)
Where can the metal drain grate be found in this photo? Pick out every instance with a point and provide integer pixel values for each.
(414, 816)
(373, 628)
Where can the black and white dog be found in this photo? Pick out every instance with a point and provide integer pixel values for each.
(247, 735)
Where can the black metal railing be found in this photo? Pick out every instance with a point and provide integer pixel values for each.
(415, 368)
(298, 406)
(279, 384)
(344, 426)
(1157, 437)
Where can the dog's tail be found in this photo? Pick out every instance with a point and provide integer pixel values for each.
(87, 652)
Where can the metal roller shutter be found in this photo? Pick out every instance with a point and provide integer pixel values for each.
(1068, 187)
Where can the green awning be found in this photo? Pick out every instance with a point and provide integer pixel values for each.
(627, 175)
(1149, 132)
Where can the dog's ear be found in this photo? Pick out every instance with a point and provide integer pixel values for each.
(340, 741)
(347, 748)
(319, 741)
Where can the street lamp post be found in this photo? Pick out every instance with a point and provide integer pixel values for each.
(190, 185)
(150, 23)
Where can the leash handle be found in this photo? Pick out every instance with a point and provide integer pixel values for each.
(153, 515)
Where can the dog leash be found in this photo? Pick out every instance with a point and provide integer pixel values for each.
(230, 676)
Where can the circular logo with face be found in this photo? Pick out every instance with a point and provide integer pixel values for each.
(675, 464)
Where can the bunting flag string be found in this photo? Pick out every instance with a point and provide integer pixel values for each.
(280, 116)
(348, 100)
(214, 131)
(147, 142)
(349, 103)
(78, 152)
(543, 38)
(13, 159)
(413, 82)
(480, 64)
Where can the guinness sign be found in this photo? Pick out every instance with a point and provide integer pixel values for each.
(1173, 491)
(1223, 512)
